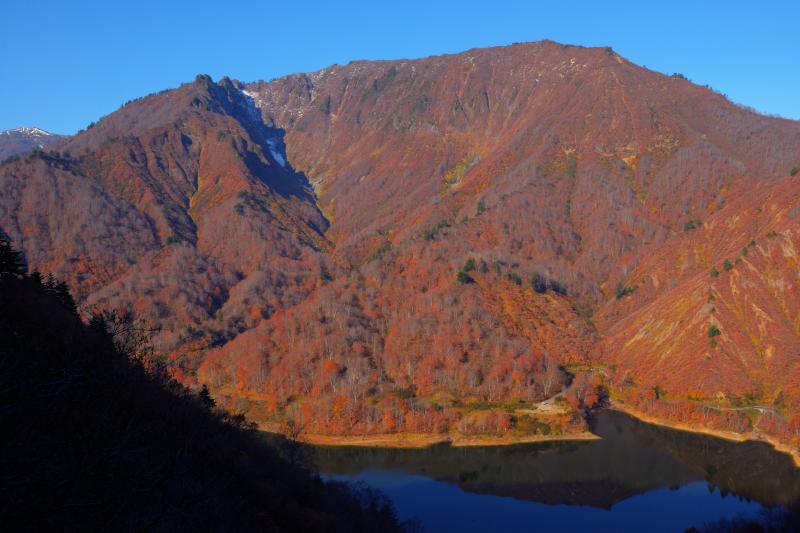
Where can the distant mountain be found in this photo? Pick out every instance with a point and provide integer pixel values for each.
(21, 140)
(373, 246)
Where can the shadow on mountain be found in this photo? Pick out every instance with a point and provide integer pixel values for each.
(282, 177)
(279, 174)
(98, 437)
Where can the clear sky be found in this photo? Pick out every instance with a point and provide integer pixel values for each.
(64, 63)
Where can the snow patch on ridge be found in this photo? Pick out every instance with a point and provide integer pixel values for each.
(251, 104)
(253, 107)
(31, 132)
(273, 149)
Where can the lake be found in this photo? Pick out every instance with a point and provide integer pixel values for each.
(638, 477)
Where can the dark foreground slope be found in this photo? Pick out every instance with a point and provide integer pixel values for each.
(96, 442)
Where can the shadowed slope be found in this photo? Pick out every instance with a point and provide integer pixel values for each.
(95, 441)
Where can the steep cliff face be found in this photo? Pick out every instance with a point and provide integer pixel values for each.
(370, 246)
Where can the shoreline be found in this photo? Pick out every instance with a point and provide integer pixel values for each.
(732, 436)
(423, 440)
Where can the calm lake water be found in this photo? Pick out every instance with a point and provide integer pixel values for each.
(639, 477)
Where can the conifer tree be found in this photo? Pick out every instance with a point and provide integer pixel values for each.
(11, 264)
(205, 397)
(62, 294)
(98, 324)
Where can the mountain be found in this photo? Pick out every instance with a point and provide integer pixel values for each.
(373, 247)
(21, 140)
(102, 440)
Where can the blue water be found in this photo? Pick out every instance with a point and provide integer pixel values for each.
(637, 477)
(446, 507)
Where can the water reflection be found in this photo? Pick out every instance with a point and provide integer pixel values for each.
(637, 473)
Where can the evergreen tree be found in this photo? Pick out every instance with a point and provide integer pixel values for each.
(538, 282)
(205, 397)
(37, 278)
(62, 294)
(60, 290)
(463, 277)
(98, 324)
(11, 264)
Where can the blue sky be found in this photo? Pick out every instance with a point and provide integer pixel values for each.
(66, 63)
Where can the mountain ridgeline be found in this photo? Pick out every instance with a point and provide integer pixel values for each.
(423, 245)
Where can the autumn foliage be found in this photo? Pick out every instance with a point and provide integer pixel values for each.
(384, 246)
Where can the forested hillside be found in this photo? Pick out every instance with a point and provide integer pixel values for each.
(97, 436)
(438, 245)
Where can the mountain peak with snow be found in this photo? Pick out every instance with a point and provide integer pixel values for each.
(18, 141)
(33, 132)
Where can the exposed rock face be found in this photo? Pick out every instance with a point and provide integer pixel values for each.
(300, 240)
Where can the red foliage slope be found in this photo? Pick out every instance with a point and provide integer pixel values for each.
(545, 174)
